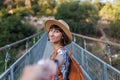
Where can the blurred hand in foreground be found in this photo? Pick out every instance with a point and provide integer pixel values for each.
(45, 69)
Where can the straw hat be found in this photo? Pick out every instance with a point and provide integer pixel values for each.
(62, 24)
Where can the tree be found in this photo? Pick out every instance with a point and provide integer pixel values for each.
(116, 10)
(81, 17)
(47, 6)
(115, 23)
(107, 11)
(115, 29)
(1, 4)
(98, 4)
(12, 30)
(111, 12)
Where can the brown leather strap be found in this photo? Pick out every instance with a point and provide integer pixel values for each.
(77, 67)
(54, 55)
(59, 74)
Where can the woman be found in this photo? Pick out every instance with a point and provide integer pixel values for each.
(60, 36)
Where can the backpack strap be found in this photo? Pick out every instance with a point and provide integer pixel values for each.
(70, 53)
(75, 69)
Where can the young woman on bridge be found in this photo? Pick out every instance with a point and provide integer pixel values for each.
(59, 35)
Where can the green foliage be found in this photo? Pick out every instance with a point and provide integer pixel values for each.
(36, 9)
(107, 11)
(1, 4)
(47, 7)
(24, 13)
(4, 14)
(116, 63)
(12, 30)
(98, 5)
(21, 3)
(111, 12)
(12, 58)
(2, 58)
(115, 29)
(81, 17)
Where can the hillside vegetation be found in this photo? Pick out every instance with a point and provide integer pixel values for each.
(82, 17)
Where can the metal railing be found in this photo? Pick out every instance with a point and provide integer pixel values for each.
(104, 49)
(93, 67)
(8, 50)
(31, 56)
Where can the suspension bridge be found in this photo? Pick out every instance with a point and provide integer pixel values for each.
(93, 67)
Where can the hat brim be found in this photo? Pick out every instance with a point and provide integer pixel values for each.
(49, 23)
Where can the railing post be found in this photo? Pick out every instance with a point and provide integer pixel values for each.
(82, 56)
(34, 40)
(7, 57)
(27, 59)
(74, 38)
(11, 74)
(105, 76)
(38, 37)
(84, 43)
(108, 53)
(27, 44)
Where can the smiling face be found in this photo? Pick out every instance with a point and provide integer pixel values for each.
(55, 35)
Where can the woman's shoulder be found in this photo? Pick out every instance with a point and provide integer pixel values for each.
(62, 51)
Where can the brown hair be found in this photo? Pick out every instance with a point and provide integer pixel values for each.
(65, 39)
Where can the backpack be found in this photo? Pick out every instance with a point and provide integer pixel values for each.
(75, 71)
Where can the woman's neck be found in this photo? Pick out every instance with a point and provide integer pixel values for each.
(57, 46)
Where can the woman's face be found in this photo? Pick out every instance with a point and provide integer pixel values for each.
(54, 35)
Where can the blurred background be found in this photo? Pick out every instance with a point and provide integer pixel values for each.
(99, 19)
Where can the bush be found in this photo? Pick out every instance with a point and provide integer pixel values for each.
(12, 30)
(4, 14)
(36, 9)
(23, 12)
(116, 63)
(81, 17)
(115, 29)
